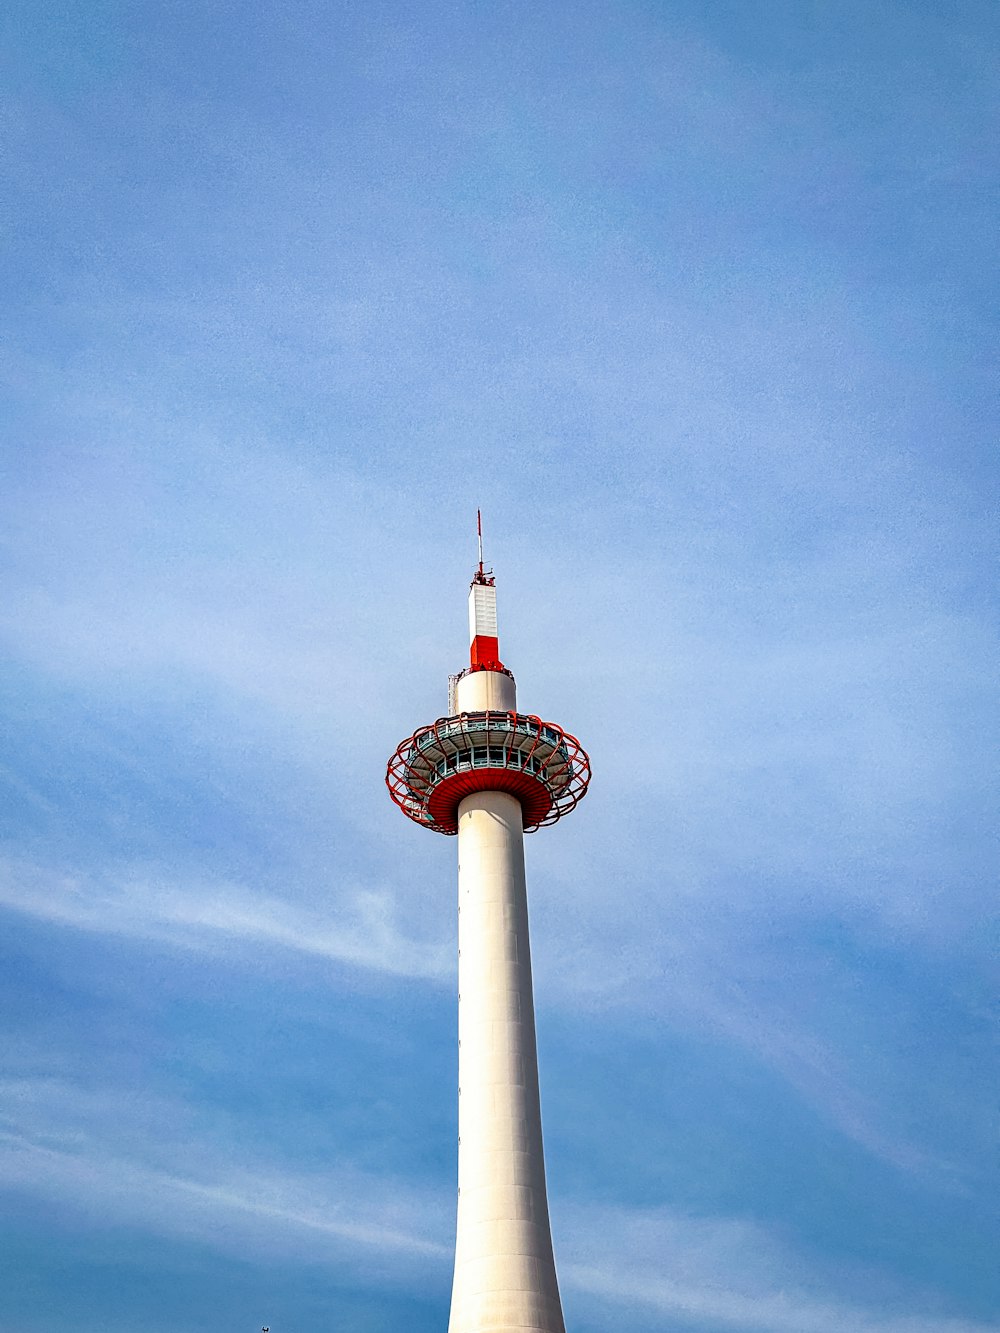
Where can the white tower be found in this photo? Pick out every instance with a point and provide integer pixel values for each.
(491, 774)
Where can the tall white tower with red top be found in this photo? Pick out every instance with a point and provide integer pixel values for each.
(491, 774)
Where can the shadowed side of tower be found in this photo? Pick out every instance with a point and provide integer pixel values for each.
(489, 773)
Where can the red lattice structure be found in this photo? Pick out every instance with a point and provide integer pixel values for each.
(431, 772)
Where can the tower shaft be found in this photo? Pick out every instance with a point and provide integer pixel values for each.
(489, 774)
(505, 1277)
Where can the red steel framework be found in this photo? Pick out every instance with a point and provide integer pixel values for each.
(546, 768)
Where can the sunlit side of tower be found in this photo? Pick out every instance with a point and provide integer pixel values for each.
(491, 774)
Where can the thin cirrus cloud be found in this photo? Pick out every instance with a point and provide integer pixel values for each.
(716, 1304)
(721, 1273)
(133, 1156)
(360, 932)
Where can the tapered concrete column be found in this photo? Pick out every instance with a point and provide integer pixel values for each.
(505, 1277)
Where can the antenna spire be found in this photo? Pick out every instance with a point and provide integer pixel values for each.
(482, 575)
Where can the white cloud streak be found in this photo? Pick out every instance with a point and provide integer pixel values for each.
(119, 1155)
(770, 1312)
(358, 930)
(332, 1210)
(720, 1274)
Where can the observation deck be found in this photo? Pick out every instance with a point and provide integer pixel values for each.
(432, 771)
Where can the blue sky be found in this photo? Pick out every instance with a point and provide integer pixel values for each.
(698, 302)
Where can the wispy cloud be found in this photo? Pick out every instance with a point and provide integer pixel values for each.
(826, 1080)
(336, 1210)
(154, 1162)
(722, 1273)
(360, 930)
(720, 1305)
(127, 1157)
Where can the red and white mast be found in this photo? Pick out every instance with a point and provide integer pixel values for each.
(490, 774)
(484, 649)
